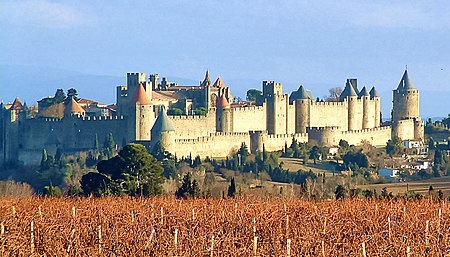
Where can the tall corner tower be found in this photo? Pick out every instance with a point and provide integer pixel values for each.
(276, 107)
(141, 115)
(406, 121)
(405, 100)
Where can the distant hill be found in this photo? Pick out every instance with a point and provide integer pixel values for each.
(33, 83)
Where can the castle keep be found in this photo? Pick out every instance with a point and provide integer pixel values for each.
(142, 107)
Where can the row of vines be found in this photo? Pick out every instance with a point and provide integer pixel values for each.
(216, 227)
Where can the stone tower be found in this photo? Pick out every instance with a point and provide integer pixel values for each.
(276, 107)
(406, 121)
(163, 132)
(349, 94)
(365, 97)
(302, 110)
(405, 100)
(376, 97)
(143, 114)
(223, 115)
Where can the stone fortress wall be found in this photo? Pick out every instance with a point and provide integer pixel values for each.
(355, 117)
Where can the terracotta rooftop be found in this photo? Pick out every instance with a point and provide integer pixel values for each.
(165, 95)
(73, 107)
(222, 101)
(141, 96)
(219, 83)
(17, 104)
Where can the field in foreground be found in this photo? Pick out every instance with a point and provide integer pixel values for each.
(214, 227)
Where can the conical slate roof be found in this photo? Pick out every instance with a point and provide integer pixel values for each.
(348, 91)
(374, 93)
(162, 123)
(406, 82)
(219, 83)
(301, 93)
(207, 81)
(141, 96)
(73, 107)
(363, 92)
(222, 101)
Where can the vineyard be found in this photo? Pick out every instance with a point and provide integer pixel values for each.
(215, 227)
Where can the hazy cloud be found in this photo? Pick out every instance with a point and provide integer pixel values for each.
(42, 13)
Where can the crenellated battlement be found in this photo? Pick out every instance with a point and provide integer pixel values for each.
(212, 137)
(369, 130)
(327, 103)
(52, 119)
(249, 108)
(328, 128)
(286, 136)
(101, 118)
(187, 117)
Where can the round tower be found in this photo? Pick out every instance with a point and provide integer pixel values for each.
(349, 95)
(365, 97)
(163, 132)
(352, 119)
(223, 115)
(144, 114)
(376, 97)
(405, 100)
(302, 110)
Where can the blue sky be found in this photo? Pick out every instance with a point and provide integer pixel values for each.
(317, 43)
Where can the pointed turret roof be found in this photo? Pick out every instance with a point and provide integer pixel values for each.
(73, 107)
(17, 104)
(141, 97)
(301, 93)
(374, 93)
(207, 81)
(222, 101)
(406, 82)
(162, 123)
(363, 92)
(219, 83)
(348, 91)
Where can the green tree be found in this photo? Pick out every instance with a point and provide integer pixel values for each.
(133, 171)
(72, 93)
(232, 188)
(340, 192)
(314, 153)
(195, 189)
(394, 146)
(431, 144)
(253, 94)
(109, 145)
(175, 111)
(95, 183)
(185, 190)
(200, 111)
(438, 158)
(59, 96)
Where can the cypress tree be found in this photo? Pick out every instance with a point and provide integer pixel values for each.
(232, 188)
